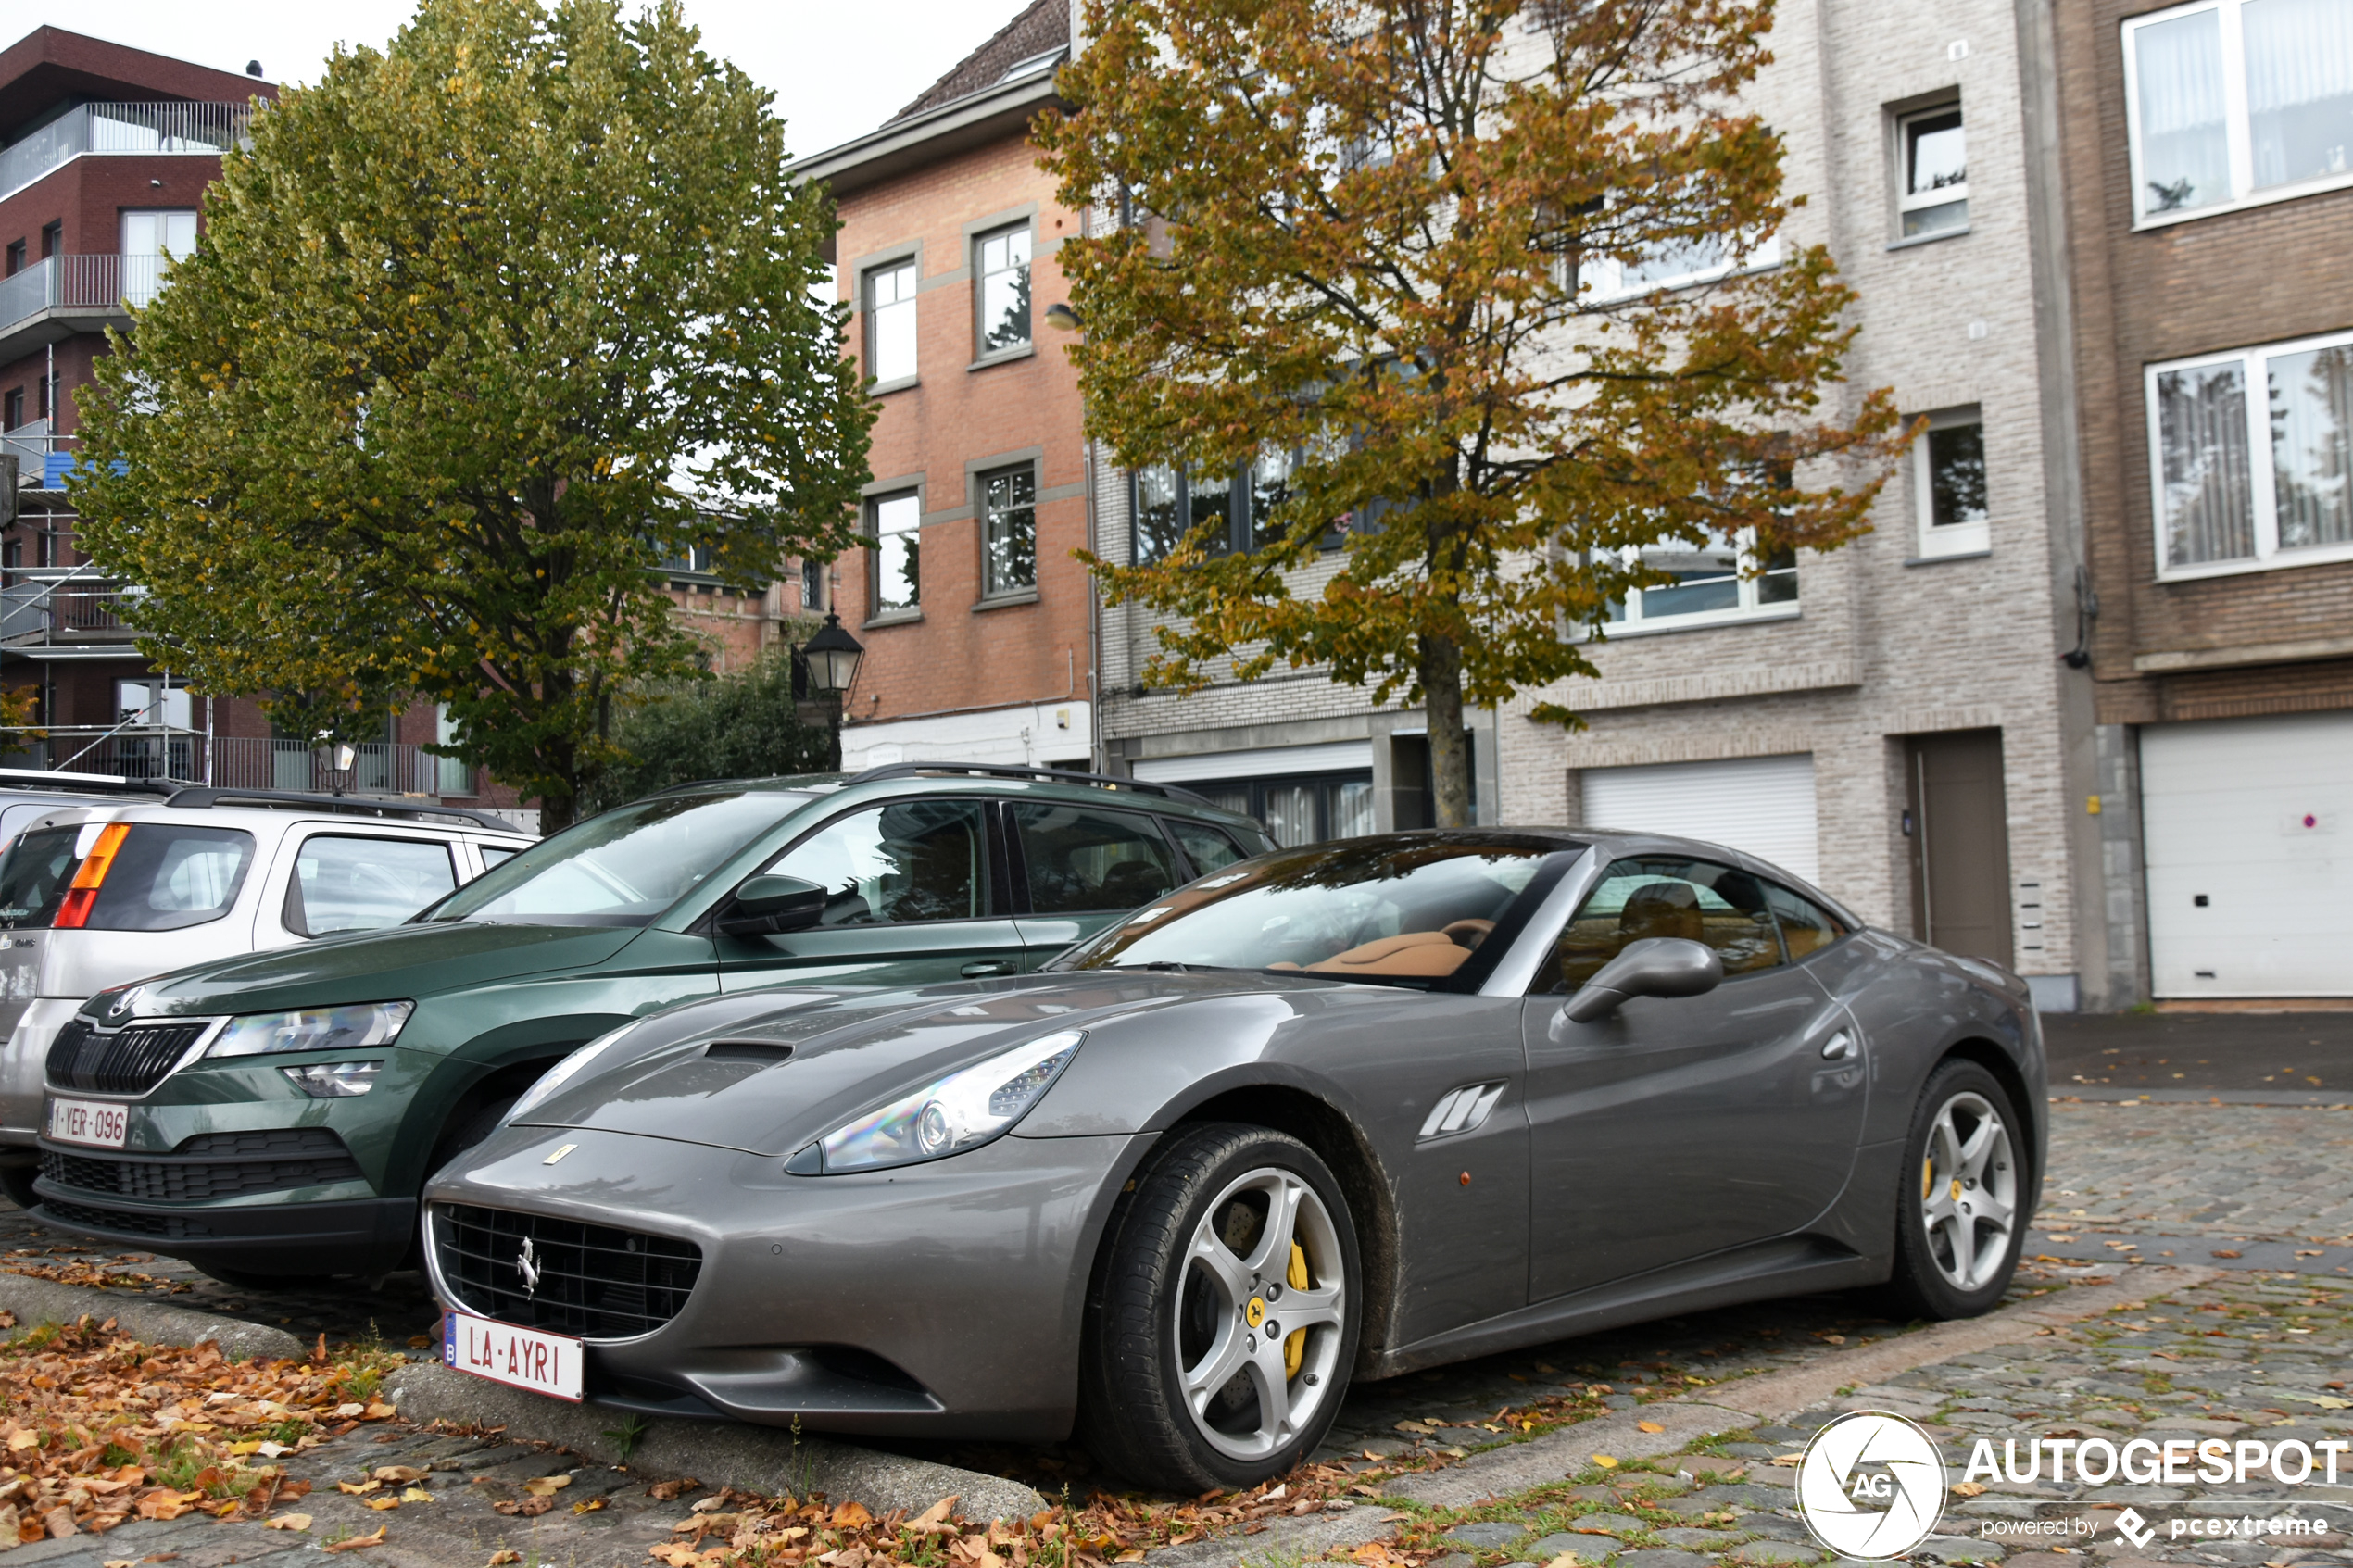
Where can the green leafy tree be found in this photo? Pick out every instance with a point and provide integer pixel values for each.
(1414, 249)
(745, 724)
(480, 330)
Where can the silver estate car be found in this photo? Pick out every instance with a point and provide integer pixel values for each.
(1334, 1112)
(99, 895)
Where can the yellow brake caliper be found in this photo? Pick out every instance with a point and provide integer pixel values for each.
(1295, 1343)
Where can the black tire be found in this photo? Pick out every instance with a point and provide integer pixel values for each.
(1155, 1305)
(1946, 1205)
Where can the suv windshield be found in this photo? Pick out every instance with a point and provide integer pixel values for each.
(1398, 911)
(624, 867)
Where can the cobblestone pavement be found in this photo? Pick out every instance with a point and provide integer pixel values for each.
(2253, 1361)
(2203, 1170)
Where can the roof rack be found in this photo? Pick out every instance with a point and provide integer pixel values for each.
(201, 799)
(85, 784)
(1014, 771)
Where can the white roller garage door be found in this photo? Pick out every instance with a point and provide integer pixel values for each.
(1764, 804)
(2248, 883)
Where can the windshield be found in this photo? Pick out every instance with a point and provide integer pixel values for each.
(1394, 910)
(625, 867)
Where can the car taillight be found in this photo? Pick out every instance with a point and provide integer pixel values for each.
(75, 911)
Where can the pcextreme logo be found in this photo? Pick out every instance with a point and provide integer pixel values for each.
(1872, 1485)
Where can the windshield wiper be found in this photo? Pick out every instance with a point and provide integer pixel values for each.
(1166, 967)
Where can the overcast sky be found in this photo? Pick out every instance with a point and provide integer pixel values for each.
(836, 71)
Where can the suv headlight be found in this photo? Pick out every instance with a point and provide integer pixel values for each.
(964, 1109)
(358, 1027)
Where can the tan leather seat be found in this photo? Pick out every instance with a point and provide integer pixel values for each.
(1469, 933)
(1428, 955)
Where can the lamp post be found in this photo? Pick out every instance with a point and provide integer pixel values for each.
(825, 667)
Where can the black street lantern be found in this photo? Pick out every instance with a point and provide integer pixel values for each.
(824, 668)
(832, 656)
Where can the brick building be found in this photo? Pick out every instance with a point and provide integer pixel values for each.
(105, 154)
(1894, 719)
(975, 618)
(2209, 164)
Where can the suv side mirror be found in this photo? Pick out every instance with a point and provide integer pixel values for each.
(766, 905)
(1654, 966)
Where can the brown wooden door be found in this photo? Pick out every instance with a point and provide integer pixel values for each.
(1960, 843)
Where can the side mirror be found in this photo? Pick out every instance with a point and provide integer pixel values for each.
(767, 905)
(1656, 966)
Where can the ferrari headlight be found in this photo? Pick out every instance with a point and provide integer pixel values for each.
(962, 1111)
(563, 1073)
(358, 1027)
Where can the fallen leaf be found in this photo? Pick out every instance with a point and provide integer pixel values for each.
(1649, 1426)
(21, 1439)
(287, 1522)
(377, 1412)
(589, 1506)
(358, 1543)
(547, 1486)
(503, 1556)
(2221, 1253)
(1605, 1462)
(1789, 1460)
(360, 1489)
(1969, 1488)
(1565, 1559)
(400, 1473)
(937, 1514)
(524, 1508)
(849, 1515)
(380, 1504)
(668, 1491)
(416, 1494)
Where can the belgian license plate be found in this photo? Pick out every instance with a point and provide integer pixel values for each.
(521, 1357)
(97, 1123)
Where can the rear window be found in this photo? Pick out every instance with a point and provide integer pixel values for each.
(33, 876)
(163, 877)
(166, 876)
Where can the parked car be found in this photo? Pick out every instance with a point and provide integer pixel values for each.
(1346, 1110)
(27, 792)
(274, 1115)
(96, 897)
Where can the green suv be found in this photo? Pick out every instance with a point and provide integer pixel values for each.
(273, 1116)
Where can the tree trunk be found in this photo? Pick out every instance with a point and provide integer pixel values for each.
(1441, 672)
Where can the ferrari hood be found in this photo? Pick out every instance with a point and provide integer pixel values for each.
(407, 960)
(768, 1082)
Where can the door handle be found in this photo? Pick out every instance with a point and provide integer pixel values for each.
(981, 968)
(1840, 1048)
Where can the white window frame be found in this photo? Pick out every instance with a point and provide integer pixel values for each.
(2235, 124)
(982, 273)
(876, 533)
(1908, 200)
(1750, 608)
(1605, 276)
(1954, 538)
(870, 319)
(2262, 493)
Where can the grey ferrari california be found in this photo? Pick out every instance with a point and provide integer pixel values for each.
(1337, 1111)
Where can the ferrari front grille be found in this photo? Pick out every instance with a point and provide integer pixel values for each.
(593, 1281)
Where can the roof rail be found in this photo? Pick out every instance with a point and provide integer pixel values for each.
(85, 784)
(1015, 771)
(202, 799)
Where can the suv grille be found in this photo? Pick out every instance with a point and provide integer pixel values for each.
(593, 1281)
(129, 1061)
(307, 1157)
(168, 1226)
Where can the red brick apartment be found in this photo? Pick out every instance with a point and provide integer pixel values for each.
(105, 154)
(975, 617)
(2208, 165)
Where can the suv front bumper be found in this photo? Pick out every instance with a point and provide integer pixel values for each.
(350, 1236)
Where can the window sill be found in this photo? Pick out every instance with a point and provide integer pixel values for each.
(1697, 624)
(2252, 199)
(1979, 554)
(891, 618)
(885, 388)
(1911, 241)
(1006, 601)
(1003, 357)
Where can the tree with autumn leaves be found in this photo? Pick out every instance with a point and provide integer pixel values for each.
(483, 329)
(1501, 283)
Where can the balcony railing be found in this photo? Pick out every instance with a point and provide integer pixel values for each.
(158, 751)
(38, 612)
(79, 282)
(124, 128)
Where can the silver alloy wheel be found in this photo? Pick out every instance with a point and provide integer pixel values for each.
(1234, 1306)
(1969, 1191)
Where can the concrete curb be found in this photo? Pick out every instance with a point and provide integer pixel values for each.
(46, 1300)
(756, 1459)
